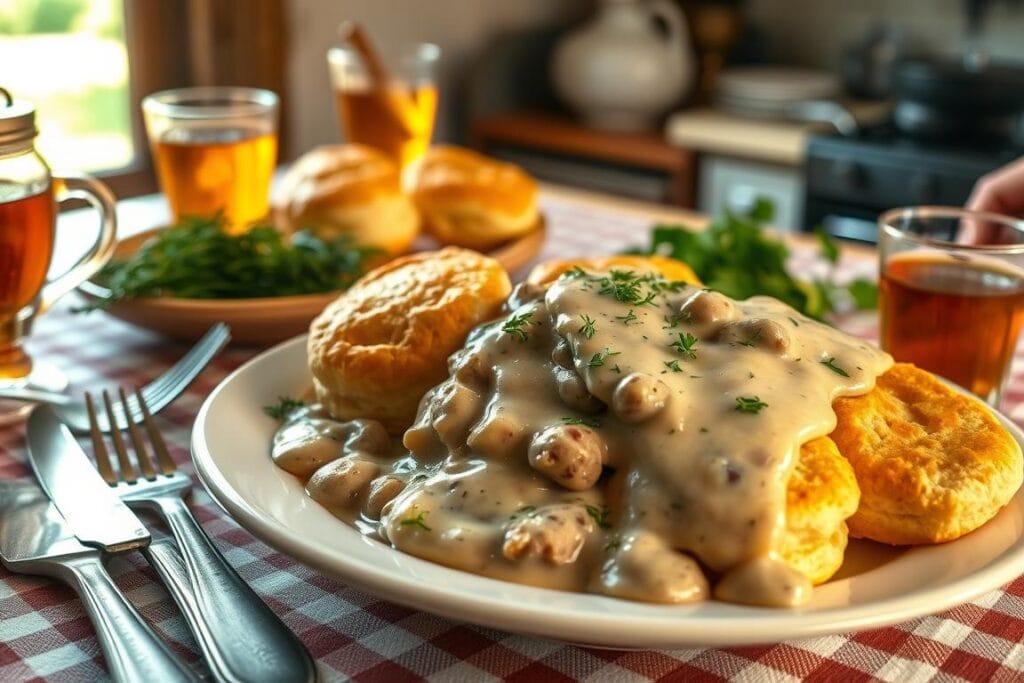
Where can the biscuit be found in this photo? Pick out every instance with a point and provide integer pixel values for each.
(821, 494)
(377, 348)
(470, 200)
(349, 189)
(932, 464)
(671, 269)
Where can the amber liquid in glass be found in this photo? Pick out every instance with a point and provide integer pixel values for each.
(26, 246)
(398, 121)
(206, 170)
(957, 318)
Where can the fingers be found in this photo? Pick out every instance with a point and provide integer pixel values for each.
(1002, 192)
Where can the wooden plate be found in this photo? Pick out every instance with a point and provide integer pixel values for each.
(262, 321)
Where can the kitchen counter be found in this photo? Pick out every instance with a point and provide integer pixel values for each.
(714, 131)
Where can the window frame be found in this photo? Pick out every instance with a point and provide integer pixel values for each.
(170, 44)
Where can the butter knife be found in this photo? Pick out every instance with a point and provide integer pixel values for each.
(35, 539)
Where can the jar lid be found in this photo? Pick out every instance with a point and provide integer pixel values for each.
(17, 119)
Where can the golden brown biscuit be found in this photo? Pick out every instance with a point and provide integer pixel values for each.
(821, 494)
(349, 190)
(376, 349)
(671, 269)
(932, 464)
(471, 200)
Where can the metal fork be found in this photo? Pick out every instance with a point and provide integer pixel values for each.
(158, 393)
(241, 638)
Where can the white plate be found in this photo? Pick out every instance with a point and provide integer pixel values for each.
(877, 585)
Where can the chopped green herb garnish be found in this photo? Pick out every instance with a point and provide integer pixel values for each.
(622, 285)
(616, 369)
(587, 329)
(831, 365)
(416, 521)
(628, 318)
(673, 365)
(284, 407)
(516, 325)
(753, 338)
(749, 404)
(574, 272)
(647, 300)
(674, 319)
(597, 360)
(586, 421)
(613, 544)
(685, 345)
(527, 510)
(600, 515)
(795, 323)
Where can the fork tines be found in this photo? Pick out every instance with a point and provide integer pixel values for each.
(127, 471)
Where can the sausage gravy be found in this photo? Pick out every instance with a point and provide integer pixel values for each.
(614, 432)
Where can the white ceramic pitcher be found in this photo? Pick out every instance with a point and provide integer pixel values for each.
(618, 71)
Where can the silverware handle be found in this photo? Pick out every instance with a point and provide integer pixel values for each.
(241, 638)
(132, 650)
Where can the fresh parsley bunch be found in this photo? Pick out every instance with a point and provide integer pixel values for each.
(735, 256)
(197, 259)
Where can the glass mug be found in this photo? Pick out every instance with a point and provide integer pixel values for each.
(951, 308)
(397, 117)
(29, 195)
(214, 149)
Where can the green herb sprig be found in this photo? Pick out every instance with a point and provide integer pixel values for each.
(738, 258)
(197, 259)
(831, 365)
(749, 404)
(685, 345)
(517, 324)
(587, 329)
(284, 407)
(417, 521)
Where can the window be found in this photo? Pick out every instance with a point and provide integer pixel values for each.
(68, 58)
(86, 64)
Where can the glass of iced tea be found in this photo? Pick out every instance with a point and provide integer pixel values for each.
(214, 150)
(396, 117)
(952, 308)
(29, 195)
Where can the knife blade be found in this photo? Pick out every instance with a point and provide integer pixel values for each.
(32, 532)
(90, 507)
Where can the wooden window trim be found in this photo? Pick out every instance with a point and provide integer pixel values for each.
(178, 43)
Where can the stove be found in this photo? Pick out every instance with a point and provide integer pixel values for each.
(851, 179)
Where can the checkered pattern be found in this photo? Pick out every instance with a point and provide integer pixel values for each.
(44, 633)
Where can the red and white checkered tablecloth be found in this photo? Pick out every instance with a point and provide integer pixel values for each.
(45, 635)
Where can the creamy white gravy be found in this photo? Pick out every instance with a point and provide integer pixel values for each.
(613, 433)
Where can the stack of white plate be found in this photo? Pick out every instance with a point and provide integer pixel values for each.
(772, 91)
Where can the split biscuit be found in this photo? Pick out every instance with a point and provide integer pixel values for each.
(932, 463)
(821, 495)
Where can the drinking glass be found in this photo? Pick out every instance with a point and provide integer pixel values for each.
(396, 117)
(29, 195)
(951, 308)
(215, 150)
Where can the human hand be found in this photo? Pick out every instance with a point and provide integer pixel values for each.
(1001, 191)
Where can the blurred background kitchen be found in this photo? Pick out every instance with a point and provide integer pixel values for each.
(834, 110)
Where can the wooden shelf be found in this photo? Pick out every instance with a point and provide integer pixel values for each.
(558, 135)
